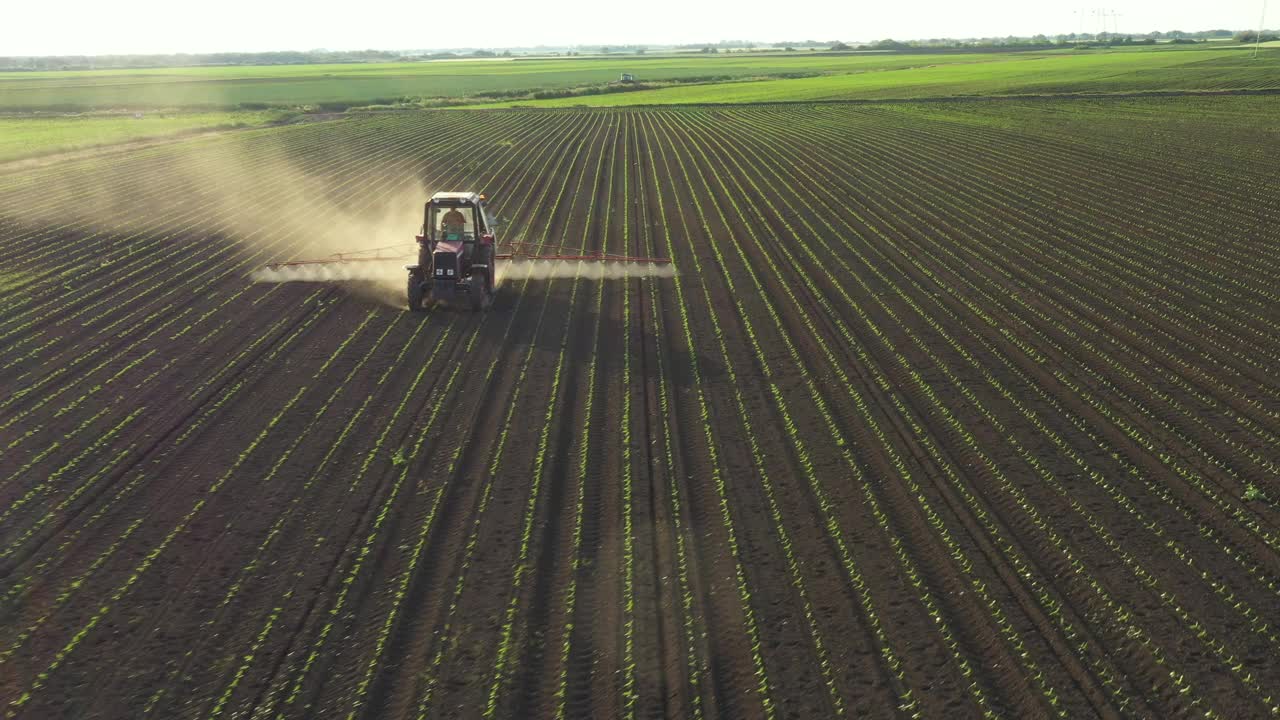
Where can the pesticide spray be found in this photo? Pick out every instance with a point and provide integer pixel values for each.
(384, 280)
(337, 272)
(533, 269)
(257, 198)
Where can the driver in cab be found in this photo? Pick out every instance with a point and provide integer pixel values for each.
(453, 222)
(452, 226)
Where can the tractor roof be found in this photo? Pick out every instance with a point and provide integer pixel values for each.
(470, 197)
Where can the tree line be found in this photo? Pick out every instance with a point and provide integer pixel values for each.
(96, 62)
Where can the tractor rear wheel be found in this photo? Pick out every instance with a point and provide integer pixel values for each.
(479, 291)
(416, 295)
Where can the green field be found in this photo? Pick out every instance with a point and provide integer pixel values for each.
(933, 408)
(363, 84)
(186, 99)
(1009, 74)
(870, 75)
(39, 135)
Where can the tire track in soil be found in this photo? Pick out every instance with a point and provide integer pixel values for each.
(367, 583)
(559, 562)
(314, 526)
(661, 686)
(472, 648)
(486, 395)
(688, 652)
(790, 661)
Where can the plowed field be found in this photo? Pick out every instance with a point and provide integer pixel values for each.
(949, 411)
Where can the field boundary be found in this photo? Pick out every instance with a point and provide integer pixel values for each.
(894, 101)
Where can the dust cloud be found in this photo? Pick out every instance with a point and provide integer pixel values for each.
(381, 281)
(263, 199)
(321, 222)
(255, 196)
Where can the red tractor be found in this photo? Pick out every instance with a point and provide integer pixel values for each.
(456, 253)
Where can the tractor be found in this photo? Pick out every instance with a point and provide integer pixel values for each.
(456, 258)
(458, 255)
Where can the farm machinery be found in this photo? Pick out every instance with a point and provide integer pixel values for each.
(458, 254)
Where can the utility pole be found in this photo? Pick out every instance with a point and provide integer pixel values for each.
(1262, 22)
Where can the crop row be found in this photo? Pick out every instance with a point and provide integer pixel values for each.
(935, 417)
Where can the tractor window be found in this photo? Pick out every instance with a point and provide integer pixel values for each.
(452, 223)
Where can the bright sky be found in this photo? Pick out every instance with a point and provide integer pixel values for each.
(94, 27)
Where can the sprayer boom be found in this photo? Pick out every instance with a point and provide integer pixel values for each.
(524, 251)
(457, 257)
(513, 251)
(392, 253)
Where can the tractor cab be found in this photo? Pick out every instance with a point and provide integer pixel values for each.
(455, 253)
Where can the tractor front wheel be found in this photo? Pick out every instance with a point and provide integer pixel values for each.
(417, 298)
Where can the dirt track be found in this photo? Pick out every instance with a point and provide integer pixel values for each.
(936, 418)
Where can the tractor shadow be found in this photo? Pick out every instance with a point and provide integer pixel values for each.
(497, 331)
(676, 363)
